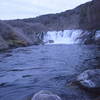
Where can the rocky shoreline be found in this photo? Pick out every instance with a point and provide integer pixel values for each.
(88, 81)
(15, 37)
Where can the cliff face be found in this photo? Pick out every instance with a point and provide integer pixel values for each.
(60, 21)
(90, 15)
(85, 16)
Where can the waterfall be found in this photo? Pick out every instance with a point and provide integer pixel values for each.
(62, 37)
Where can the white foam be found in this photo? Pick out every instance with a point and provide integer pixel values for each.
(97, 35)
(62, 37)
(89, 83)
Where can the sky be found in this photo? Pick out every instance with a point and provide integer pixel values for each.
(18, 9)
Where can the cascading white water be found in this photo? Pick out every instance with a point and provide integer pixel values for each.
(62, 37)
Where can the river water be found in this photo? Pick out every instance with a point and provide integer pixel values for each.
(27, 70)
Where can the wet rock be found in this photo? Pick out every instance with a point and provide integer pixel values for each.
(97, 37)
(45, 95)
(51, 41)
(90, 79)
(89, 37)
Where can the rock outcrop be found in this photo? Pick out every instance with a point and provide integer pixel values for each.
(18, 33)
(45, 95)
(90, 79)
(89, 37)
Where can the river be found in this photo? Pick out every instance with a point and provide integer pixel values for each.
(27, 70)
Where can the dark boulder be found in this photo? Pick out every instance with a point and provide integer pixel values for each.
(90, 79)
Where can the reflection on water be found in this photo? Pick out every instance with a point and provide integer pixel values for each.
(24, 71)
